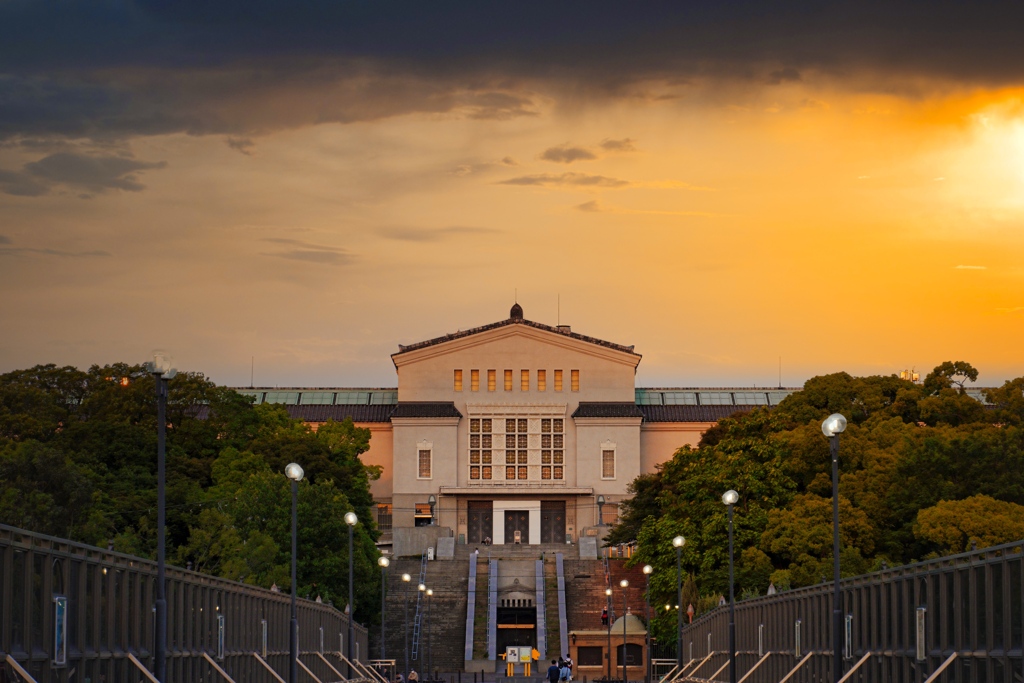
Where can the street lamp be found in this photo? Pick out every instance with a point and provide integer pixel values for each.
(624, 584)
(600, 510)
(648, 569)
(162, 370)
(383, 562)
(432, 501)
(832, 427)
(730, 498)
(678, 542)
(430, 633)
(351, 519)
(608, 607)
(406, 579)
(294, 472)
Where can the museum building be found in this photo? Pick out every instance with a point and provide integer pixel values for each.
(516, 431)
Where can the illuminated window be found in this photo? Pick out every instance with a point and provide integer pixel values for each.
(474, 380)
(424, 463)
(608, 464)
(492, 380)
(542, 380)
(486, 471)
(574, 379)
(524, 380)
(458, 380)
(558, 380)
(510, 473)
(508, 380)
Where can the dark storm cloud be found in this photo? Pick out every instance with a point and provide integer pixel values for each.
(565, 154)
(20, 184)
(92, 173)
(566, 179)
(122, 68)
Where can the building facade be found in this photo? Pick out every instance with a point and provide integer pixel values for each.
(517, 431)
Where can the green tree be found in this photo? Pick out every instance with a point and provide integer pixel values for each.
(953, 525)
(949, 373)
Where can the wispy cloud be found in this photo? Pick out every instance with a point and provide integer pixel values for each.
(92, 173)
(408, 234)
(22, 251)
(597, 207)
(566, 179)
(970, 267)
(4, 239)
(566, 154)
(243, 145)
(623, 145)
(310, 252)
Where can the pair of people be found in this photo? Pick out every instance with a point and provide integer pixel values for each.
(413, 677)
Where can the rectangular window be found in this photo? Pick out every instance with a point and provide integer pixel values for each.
(545, 426)
(474, 472)
(510, 441)
(559, 472)
(510, 473)
(542, 380)
(508, 380)
(607, 464)
(492, 380)
(474, 425)
(524, 441)
(590, 656)
(558, 380)
(574, 379)
(424, 463)
(384, 516)
(487, 471)
(523, 459)
(522, 426)
(474, 380)
(545, 472)
(524, 380)
(510, 457)
(545, 457)
(510, 426)
(524, 472)
(458, 380)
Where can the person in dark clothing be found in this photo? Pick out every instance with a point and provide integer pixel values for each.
(553, 672)
(604, 617)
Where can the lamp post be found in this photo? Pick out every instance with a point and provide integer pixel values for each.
(608, 607)
(678, 542)
(832, 427)
(351, 519)
(730, 498)
(624, 584)
(430, 633)
(648, 569)
(383, 562)
(432, 501)
(162, 370)
(294, 472)
(406, 579)
(600, 510)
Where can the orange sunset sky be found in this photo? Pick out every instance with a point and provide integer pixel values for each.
(823, 195)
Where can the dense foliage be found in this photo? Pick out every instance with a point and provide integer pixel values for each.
(924, 470)
(78, 460)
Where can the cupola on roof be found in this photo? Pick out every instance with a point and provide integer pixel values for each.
(516, 313)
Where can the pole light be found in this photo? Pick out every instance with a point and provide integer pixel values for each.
(406, 579)
(832, 427)
(678, 542)
(608, 606)
(432, 501)
(730, 498)
(162, 370)
(648, 569)
(351, 519)
(294, 472)
(430, 633)
(383, 562)
(600, 510)
(624, 584)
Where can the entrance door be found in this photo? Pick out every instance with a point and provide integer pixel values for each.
(552, 521)
(517, 521)
(481, 521)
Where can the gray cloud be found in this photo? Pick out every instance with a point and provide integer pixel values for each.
(623, 145)
(21, 251)
(20, 184)
(4, 239)
(407, 234)
(781, 75)
(310, 252)
(568, 179)
(243, 145)
(590, 207)
(93, 173)
(566, 154)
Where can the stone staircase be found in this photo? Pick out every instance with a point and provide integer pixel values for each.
(517, 552)
(442, 643)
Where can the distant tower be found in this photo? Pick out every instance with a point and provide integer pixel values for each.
(516, 313)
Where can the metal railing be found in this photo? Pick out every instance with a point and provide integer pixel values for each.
(72, 612)
(956, 618)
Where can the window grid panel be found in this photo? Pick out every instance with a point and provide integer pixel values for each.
(608, 464)
(574, 380)
(424, 464)
(715, 398)
(524, 380)
(458, 380)
(492, 380)
(474, 380)
(558, 380)
(508, 380)
(529, 443)
(542, 380)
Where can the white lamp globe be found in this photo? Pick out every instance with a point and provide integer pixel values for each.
(294, 471)
(406, 578)
(648, 569)
(383, 561)
(833, 424)
(351, 519)
(624, 583)
(678, 542)
(730, 497)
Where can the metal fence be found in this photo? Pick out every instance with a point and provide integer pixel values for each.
(956, 618)
(72, 613)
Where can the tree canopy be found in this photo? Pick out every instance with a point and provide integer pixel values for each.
(925, 469)
(78, 460)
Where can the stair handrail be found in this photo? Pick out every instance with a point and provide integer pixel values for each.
(416, 630)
